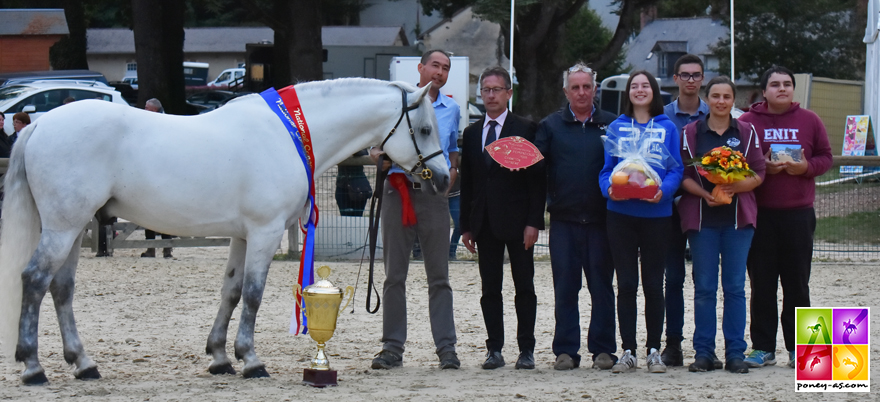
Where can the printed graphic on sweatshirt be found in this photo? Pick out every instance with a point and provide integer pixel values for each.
(781, 135)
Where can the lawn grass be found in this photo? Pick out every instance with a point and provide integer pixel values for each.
(857, 227)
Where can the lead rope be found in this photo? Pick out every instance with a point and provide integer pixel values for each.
(375, 210)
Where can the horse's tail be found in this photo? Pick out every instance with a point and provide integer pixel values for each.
(19, 236)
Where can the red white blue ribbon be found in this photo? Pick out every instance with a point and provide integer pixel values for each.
(282, 103)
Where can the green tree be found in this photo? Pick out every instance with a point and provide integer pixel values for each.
(69, 53)
(539, 37)
(585, 39)
(693, 8)
(822, 37)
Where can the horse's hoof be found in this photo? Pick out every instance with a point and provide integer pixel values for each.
(222, 369)
(259, 372)
(90, 373)
(36, 379)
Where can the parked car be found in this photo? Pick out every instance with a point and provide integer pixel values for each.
(228, 77)
(25, 77)
(474, 112)
(129, 93)
(39, 97)
(131, 81)
(213, 99)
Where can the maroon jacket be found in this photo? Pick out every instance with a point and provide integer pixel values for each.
(690, 207)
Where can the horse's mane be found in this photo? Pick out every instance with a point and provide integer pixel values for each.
(366, 82)
(359, 82)
(345, 82)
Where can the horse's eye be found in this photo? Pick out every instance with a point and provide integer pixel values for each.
(425, 130)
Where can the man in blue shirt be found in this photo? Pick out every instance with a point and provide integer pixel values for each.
(687, 108)
(431, 226)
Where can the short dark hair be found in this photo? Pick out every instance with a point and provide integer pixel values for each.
(656, 107)
(22, 117)
(688, 59)
(427, 56)
(765, 78)
(721, 80)
(497, 71)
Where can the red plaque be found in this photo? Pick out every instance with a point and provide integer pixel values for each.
(514, 152)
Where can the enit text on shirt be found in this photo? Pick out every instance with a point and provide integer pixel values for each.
(780, 135)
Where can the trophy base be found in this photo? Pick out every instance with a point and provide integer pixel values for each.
(319, 378)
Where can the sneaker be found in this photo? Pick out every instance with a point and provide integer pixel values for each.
(760, 358)
(449, 360)
(792, 359)
(387, 359)
(655, 363)
(603, 361)
(565, 362)
(627, 363)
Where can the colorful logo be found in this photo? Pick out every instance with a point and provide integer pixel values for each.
(832, 349)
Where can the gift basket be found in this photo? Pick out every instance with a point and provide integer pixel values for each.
(723, 165)
(642, 154)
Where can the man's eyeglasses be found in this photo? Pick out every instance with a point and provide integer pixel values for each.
(687, 76)
(494, 90)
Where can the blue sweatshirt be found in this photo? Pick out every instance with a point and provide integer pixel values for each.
(671, 177)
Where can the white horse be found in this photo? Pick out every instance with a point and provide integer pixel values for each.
(232, 172)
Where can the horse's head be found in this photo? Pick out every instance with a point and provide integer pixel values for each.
(417, 147)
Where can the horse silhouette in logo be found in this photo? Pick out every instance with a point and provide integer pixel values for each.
(815, 361)
(848, 362)
(815, 328)
(849, 327)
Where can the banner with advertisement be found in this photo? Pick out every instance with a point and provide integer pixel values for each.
(858, 140)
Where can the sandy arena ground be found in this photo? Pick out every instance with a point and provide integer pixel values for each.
(145, 322)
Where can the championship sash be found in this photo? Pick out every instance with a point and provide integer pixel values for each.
(282, 102)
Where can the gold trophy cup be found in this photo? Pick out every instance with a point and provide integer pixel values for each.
(322, 301)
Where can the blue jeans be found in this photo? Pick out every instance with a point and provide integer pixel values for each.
(454, 212)
(733, 247)
(577, 248)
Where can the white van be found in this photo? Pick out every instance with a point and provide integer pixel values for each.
(228, 77)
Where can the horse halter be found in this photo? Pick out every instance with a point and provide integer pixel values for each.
(425, 173)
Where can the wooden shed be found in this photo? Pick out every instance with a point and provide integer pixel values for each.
(26, 36)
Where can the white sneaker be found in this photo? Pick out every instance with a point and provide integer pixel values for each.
(655, 363)
(626, 363)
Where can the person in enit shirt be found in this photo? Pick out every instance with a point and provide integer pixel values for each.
(782, 248)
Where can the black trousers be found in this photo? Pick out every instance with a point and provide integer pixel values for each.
(782, 251)
(631, 237)
(151, 235)
(522, 266)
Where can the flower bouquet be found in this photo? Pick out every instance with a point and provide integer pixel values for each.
(723, 165)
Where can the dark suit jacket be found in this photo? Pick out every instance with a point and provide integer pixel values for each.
(516, 198)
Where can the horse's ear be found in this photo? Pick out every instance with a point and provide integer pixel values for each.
(416, 97)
